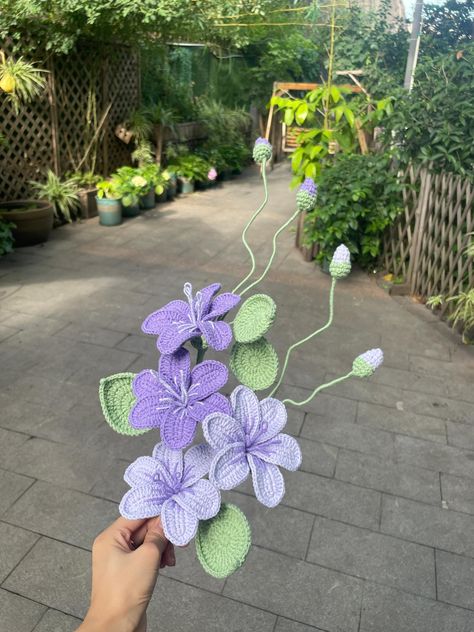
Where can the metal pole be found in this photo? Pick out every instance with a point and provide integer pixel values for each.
(414, 46)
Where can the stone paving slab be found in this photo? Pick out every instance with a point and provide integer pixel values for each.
(375, 533)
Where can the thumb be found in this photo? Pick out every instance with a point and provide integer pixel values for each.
(155, 537)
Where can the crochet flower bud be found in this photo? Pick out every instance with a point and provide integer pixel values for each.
(306, 195)
(340, 265)
(262, 150)
(212, 174)
(367, 363)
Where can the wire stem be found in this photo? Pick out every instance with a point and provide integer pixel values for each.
(312, 335)
(318, 389)
(249, 223)
(270, 261)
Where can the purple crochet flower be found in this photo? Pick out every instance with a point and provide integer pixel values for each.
(250, 440)
(171, 486)
(262, 150)
(340, 265)
(306, 195)
(367, 363)
(178, 321)
(175, 398)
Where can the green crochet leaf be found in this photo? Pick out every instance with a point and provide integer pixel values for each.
(222, 543)
(116, 399)
(254, 318)
(255, 364)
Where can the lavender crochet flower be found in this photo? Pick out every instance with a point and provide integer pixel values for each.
(340, 265)
(249, 440)
(262, 150)
(175, 398)
(367, 363)
(178, 321)
(307, 195)
(171, 486)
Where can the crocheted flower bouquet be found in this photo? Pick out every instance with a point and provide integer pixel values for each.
(244, 436)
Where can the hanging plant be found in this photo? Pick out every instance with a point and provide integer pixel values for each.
(20, 80)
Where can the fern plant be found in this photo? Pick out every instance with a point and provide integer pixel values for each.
(62, 195)
(143, 154)
(463, 312)
(20, 80)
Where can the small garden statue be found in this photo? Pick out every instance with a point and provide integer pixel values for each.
(182, 481)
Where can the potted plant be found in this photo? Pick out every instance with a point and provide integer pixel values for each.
(62, 194)
(21, 81)
(157, 182)
(6, 237)
(32, 220)
(87, 192)
(131, 186)
(189, 169)
(109, 204)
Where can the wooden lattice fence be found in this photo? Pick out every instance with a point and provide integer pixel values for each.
(61, 127)
(427, 245)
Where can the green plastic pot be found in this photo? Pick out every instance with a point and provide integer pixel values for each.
(162, 197)
(110, 211)
(131, 211)
(187, 186)
(172, 190)
(147, 201)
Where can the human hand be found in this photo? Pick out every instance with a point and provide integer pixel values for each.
(126, 558)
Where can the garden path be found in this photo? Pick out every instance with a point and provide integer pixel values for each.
(375, 533)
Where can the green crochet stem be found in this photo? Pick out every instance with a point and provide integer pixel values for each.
(270, 261)
(250, 222)
(319, 388)
(303, 340)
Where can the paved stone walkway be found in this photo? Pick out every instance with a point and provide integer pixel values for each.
(376, 532)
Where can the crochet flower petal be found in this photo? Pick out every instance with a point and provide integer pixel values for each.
(175, 368)
(217, 334)
(148, 412)
(179, 525)
(142, 502)
(282, 450)
(229, 467)
(214, 403)
(173, 336)
(172, 460)
(146, 382)
(207, 294)
(273, 418)
(207, 378)
(221, 430)
(267, 480)
(142, 471)
(178, 429)
(172, 311)
(201, 499)
(222, 304)
(246, 411)
(197, 463)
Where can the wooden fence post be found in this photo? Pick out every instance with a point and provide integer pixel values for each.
(105, 99)
(418, 229)
(54, 116)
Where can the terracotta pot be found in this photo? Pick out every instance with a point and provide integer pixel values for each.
(33, 220)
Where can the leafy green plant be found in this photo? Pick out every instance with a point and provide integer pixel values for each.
(435, 301)
(331, 119)
(139, 124)
(62, 194)
(6, 237)
(143, 154)
(85, 179)
(358, 197)
(20, 80)
(191, 167)
(155, 177)
(108, 189)
(463, 312)
(130, 184)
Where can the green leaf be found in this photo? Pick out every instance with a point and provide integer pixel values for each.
(310, 171)
(301, 113)
(254, 318)
(338, 112)
(335, 94)
(223, 542)
(255, 364)
(289, 116)
(349, 115)
(116, 399)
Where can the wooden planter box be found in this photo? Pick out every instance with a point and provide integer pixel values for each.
(308, 253)
(88, 203)
(184, 132)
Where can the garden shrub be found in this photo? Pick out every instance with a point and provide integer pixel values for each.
(358, 197)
